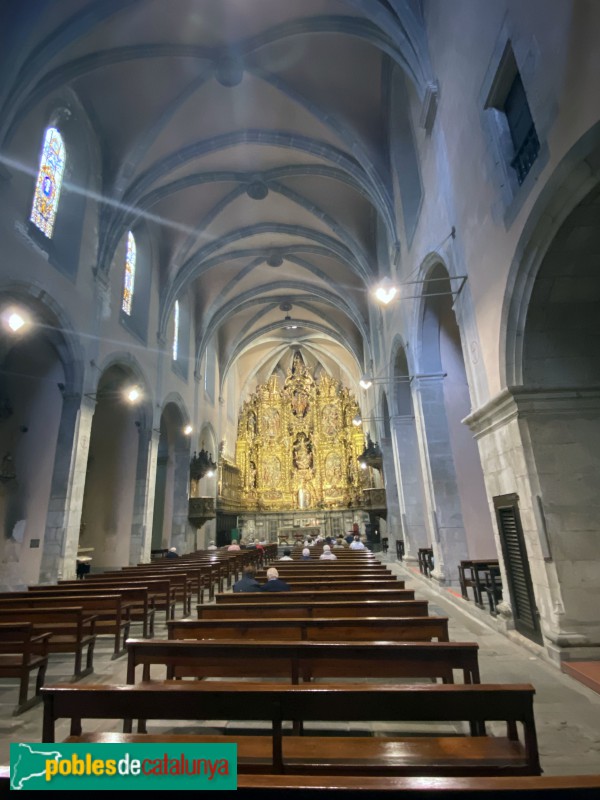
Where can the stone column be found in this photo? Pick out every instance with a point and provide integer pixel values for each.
(394, 517)
(543, 445)
(410, 486)
(441, 491)
(183, 535)
(143, 502)
(63, 522)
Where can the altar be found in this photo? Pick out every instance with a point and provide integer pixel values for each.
(297, 535)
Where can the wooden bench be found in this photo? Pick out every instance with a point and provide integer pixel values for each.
(557, 787)
(160, 592)
(110, 610)
(389, 629)
(472, 753)
(179, 581)
(21, 652)
(299, 608)
(471, 575)
(71, 631)
(425, 559)
(307, 595)
(139, 602)
(309, 660)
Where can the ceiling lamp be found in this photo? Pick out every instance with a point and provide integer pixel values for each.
(289, 324)
(385, 291)
(357, 420)
(366, 382)
(188, 430)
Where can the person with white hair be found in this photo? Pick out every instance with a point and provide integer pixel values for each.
(211, 546)
(357, 544)
(327, 555)
(274, 582)
(306, 554)
(172, 553)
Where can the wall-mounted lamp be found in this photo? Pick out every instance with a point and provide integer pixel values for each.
(15, 320)
(385, 291)
(188, 430)
(366, 382)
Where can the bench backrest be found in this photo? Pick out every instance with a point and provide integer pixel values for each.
(302, 592)
(407, 629)
(305, 659)
(286, 607)
(475, 704)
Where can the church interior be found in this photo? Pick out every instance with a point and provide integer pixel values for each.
(274, 272)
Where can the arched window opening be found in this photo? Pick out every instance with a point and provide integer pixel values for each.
(49, 182)
(129, 274)
(175, 330)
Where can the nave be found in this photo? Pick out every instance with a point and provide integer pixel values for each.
(567, 714)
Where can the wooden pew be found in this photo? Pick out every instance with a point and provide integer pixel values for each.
(287, 607)
(110, 610)
(160, 592)
(435, 754)
(178, 579)
(303, 593)
(139, 603)
(471, 575)
(557, 787)
(389, 629)
(71, 631)
(425, 558)
(22, 651)
(309, 660)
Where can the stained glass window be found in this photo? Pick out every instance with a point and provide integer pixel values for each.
(129, 274)
(175, 330)
(49, 182)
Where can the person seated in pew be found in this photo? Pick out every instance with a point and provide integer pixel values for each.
(274, 582)
(340, 544)
(305, 554)
(357, 544)
(233, 546)
(287, 555)
(247, 582)
(212, 546)
(172, 553)
(327, 555)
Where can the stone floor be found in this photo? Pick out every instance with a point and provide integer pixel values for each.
(567, 712)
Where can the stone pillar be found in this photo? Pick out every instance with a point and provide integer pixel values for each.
(143, 502)
(394, 517)
(410, 486)
(543, 445)
(441, 491)
(183, 535)
(63, 522)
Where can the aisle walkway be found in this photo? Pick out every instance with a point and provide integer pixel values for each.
(567, 713)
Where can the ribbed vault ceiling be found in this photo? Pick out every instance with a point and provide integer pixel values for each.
(251, 138)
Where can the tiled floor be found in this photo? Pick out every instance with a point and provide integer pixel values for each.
(567, 712)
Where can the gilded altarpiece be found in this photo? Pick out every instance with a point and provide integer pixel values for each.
(296, 445)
